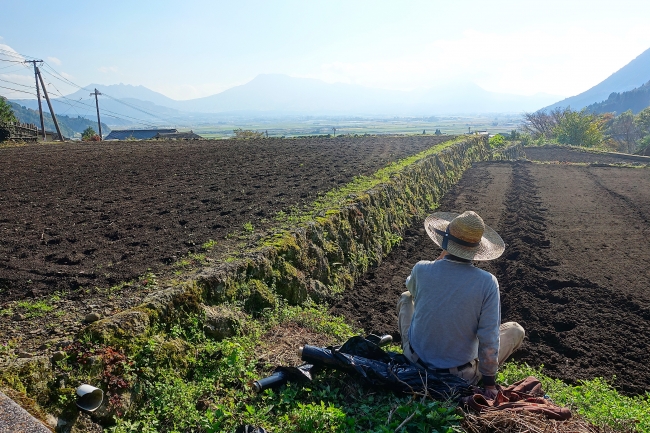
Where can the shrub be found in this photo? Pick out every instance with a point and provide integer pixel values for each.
(580, 128)
(89, 134)
(497, 141)
(247, 133)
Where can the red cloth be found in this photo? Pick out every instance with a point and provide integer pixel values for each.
(525, 395)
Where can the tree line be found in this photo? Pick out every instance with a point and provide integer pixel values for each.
(636, 100)
(627, 132)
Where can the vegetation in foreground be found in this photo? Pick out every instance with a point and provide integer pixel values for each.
(185, 381)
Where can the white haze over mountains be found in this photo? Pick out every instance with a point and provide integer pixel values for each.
(633, 75)
(276, 95)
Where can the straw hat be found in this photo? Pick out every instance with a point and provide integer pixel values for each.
(465, 235)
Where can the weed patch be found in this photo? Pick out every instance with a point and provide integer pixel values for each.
(34, 308)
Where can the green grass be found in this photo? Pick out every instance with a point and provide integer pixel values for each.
(209, 245)
(596, 400)
(218, 375)
(187, 381)
(34, 308)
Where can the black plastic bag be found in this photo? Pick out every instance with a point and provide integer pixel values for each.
(365, 359)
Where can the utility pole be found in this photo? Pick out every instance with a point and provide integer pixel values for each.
(49, 104)
(99, 123)
(38, 95)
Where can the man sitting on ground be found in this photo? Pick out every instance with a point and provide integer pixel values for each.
(450, 317)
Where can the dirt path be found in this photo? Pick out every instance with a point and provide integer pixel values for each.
(575, 273)
(565, 154)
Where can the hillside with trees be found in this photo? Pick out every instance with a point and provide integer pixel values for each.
(69, 125)
(635, 100)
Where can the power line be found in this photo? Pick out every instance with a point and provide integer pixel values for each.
(16, 90)
(59, 92)
(135, 108)
(114, 116)
(62, 78)
(103, 110)
(13, 66)
(15, 54)
(17, 84)
(109, 96)
(53, 72)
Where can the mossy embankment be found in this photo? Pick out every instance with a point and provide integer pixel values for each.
(183, 358)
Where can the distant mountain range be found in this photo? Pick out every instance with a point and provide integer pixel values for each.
(633, 75)
(281, 94)
(273, 95)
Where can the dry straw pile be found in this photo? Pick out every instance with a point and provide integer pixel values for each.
(506, 421)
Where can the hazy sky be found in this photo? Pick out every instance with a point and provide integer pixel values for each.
(191, 48)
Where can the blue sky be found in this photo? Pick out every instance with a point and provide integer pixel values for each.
(188, 49)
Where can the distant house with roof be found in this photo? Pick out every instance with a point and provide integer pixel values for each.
(137, 134)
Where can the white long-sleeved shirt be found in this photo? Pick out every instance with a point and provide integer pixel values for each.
(457, 315)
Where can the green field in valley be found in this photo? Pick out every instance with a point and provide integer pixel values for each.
(322, 126)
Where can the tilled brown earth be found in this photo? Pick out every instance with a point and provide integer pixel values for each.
(566, 154)
(575, 273)
(79, 220)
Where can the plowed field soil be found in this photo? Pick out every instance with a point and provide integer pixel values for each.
(78, 220)
(575, 273)
(79, 215)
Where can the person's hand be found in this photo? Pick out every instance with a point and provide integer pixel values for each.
(490, 392)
